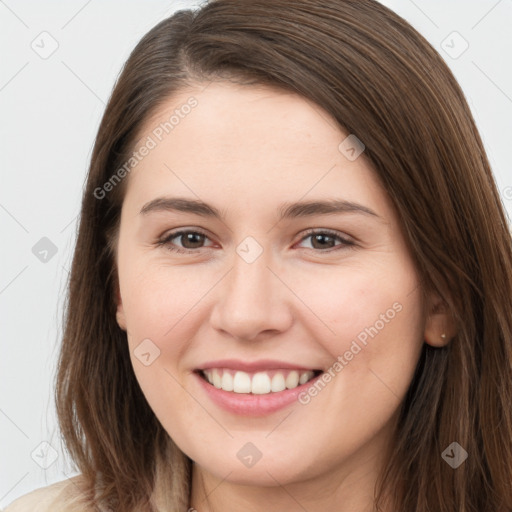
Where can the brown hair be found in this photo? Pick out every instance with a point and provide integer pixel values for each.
(382, 81)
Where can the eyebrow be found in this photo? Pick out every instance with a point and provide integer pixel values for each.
(286, 211)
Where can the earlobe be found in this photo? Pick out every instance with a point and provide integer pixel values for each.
(120, 316)
(440, 326)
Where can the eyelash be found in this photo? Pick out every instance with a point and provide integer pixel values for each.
(345, 243)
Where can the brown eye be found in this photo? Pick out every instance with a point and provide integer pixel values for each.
(325, 240)
(190, 241)
(321, 241)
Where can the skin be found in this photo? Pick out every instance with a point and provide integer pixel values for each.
(246, 150)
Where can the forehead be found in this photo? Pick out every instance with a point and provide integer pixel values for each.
(226, 115)
(251, 144)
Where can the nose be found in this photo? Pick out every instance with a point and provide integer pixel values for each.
(252, 300)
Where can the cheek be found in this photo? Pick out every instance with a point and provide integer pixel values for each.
(376, 318)
(370, 322)
(163, 310)
(160, 300)
(348, 299)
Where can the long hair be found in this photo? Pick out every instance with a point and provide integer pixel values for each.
(382, 81)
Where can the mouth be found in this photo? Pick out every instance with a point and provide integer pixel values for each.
(267, 382)
(254, 388)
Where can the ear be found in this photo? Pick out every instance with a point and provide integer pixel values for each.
(440, 325)
(120, 316)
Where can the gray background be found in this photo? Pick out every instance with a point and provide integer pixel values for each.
(51, 105)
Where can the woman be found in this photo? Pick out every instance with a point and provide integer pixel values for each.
(292, 283)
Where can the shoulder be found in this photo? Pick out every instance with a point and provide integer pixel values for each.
(46, 499)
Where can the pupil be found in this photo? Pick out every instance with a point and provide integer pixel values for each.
(189, 238)
(321, 237)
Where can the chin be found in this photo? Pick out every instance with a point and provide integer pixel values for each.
(269, 470)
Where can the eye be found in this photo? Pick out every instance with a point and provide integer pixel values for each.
(191, 240)
(324, 239)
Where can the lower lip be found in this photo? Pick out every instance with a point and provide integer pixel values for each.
(247, 404)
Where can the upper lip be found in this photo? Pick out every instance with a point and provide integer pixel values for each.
(253, 366)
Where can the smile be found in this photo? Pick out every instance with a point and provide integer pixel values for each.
(257, 383)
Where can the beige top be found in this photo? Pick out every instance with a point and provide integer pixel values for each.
(43, 499)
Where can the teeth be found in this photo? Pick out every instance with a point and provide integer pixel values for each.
(304, 377)
(278, 383)
(292, 381)
(242, 383)
(259, 383)
(216, 379)
(227, 381)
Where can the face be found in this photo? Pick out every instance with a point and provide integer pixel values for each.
(306, 320)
